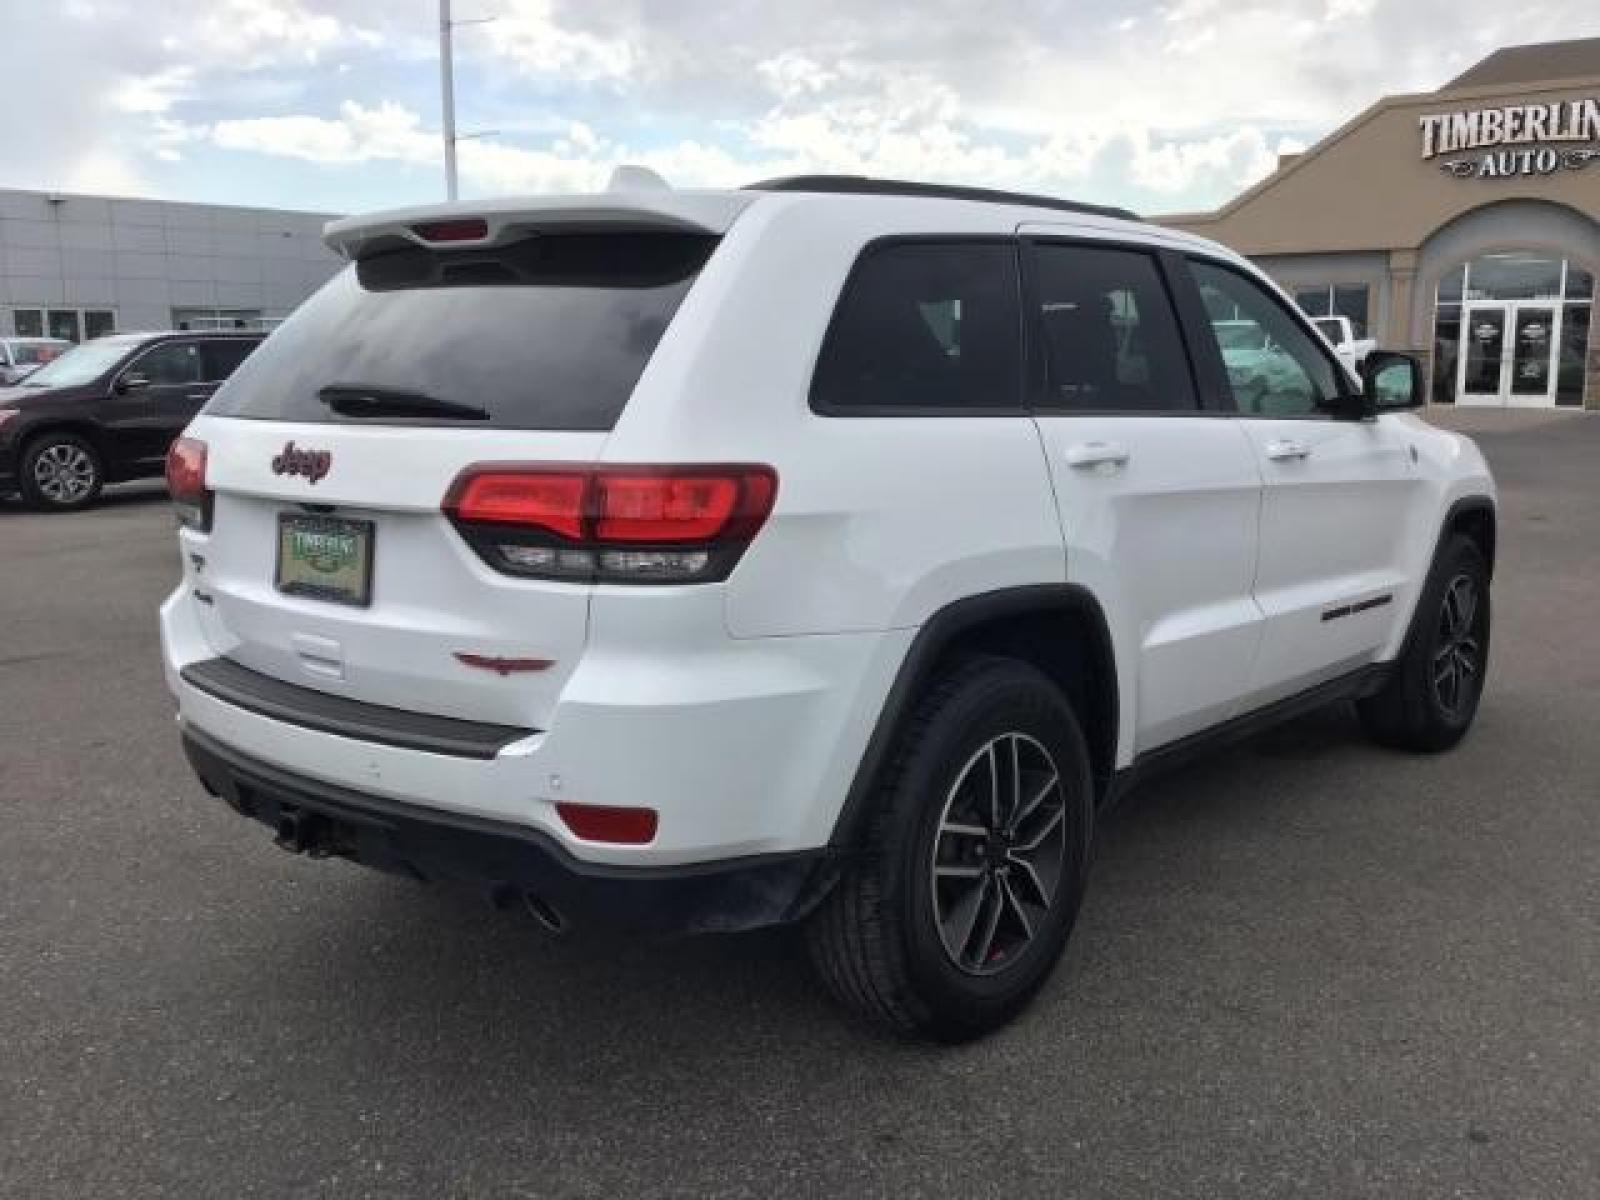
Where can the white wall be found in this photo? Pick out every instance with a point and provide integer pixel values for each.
(143, 258)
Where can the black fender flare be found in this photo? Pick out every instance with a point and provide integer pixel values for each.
(932, 641)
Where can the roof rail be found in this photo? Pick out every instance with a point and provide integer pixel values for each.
(864, 185)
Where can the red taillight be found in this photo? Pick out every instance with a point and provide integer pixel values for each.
(604, 823)
(665, 508)
(464, 229)
(613, 524)
(186, 482)
(539, 501)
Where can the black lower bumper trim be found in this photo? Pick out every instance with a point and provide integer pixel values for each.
(429, 844)
(311, 709)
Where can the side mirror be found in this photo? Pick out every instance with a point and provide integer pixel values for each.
(1392, 382)
(133, 381)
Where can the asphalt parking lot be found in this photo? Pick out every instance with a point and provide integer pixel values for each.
(1307, 967)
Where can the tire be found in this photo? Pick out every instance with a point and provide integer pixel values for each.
(887, 941)
(60, 472)
(1429, 703)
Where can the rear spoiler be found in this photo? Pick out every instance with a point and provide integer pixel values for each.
(494, 222)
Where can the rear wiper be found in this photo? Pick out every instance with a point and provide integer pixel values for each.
(363, 400)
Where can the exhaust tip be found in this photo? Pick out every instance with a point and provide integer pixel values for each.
(545, 913)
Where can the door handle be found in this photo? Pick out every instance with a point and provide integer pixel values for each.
(1096, 454)
(1287, 450)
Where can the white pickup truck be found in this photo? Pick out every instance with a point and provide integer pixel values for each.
(1341, 335)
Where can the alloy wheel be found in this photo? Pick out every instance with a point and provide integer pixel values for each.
(1458, 649)
(64, 473)
(999, 854)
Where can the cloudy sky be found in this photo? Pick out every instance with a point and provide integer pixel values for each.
(332, 105)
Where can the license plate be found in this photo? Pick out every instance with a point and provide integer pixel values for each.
(327, 558)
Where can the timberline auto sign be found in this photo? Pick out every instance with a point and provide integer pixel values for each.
(1546, 130)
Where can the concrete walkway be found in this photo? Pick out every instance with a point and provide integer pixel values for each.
(1469, 419)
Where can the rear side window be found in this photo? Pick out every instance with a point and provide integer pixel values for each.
(550, 332)
(1109, 333)
(223, 358)
(169, 363)
(924, 328)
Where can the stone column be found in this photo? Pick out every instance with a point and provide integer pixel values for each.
(1405, 333)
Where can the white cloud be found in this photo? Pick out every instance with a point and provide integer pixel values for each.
(1155, 103)
(1347, 10)
(256, 33)
(528, 34)
(358, 134)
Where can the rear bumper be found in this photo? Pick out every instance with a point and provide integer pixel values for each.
(511, 862)
(744, 748)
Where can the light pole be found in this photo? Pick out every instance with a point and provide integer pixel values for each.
(447, 86)
(447, 89)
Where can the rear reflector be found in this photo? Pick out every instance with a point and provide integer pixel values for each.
(603, 823)
(464, 229)
(186, 483)
(615, 524)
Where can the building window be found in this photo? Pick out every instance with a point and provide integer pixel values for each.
(1336, 300)
(1571, 365)
(73, 324)
(65, 323)
(204, 319)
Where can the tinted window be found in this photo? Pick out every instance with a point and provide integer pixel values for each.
(925, 326)
(551, 332)
(1110, 337)
(170, 363)
(223, 358)
(1273, 365)
(1350, 300)
(1314, 302)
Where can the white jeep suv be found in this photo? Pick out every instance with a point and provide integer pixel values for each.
(831, 550)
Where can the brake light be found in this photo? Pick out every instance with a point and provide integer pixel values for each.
(465, 229)
(186, 483)
(612, 524)
(553, 502)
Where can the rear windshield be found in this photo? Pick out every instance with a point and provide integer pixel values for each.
(551, 332)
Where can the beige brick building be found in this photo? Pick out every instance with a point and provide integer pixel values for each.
(1461, 225)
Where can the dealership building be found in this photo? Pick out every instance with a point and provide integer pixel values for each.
(77, 267)
(1462, 226)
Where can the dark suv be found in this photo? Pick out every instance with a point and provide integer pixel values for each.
(107, 410)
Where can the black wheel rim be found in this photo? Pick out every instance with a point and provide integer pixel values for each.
(1458, 648)
(999, 854)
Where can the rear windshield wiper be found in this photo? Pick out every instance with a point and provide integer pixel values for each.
(363, 400)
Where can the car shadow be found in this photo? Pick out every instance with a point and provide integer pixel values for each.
(622, 1016)
(139, 494)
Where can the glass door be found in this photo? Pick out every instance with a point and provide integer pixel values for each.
(1535, 334)
(1483, 345)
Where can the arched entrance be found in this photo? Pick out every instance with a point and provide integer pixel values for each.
(1510, 293)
